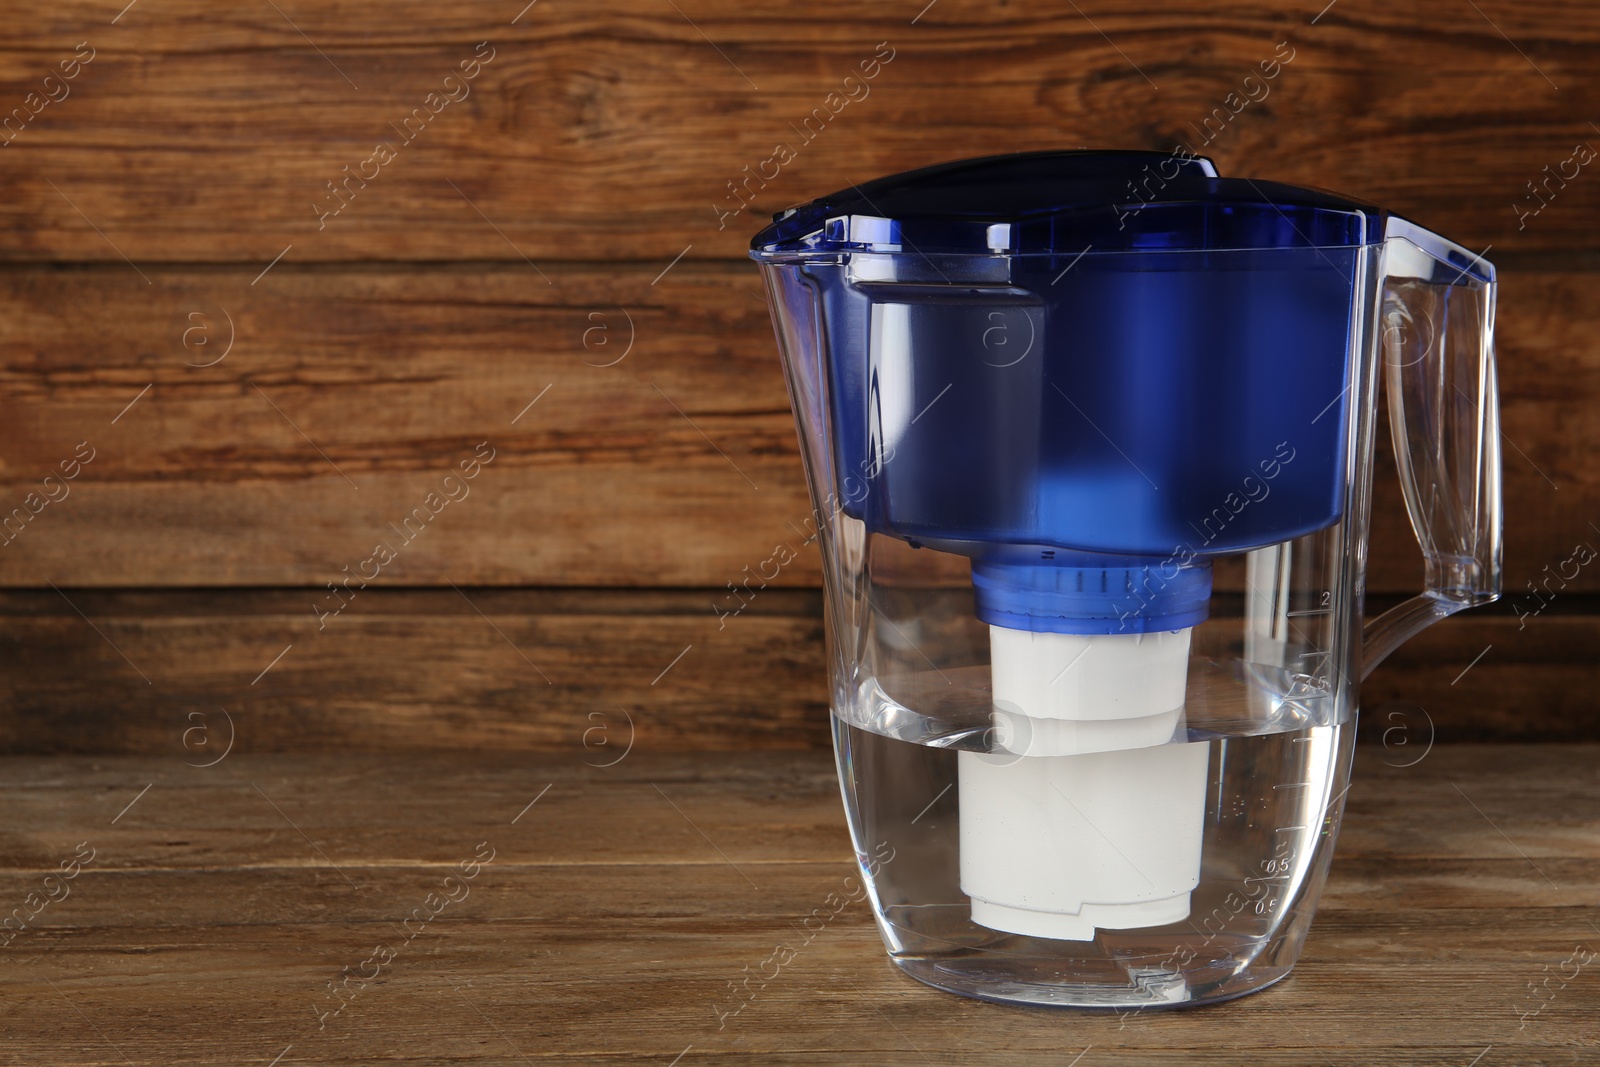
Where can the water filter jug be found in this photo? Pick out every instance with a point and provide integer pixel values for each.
(1089, 436)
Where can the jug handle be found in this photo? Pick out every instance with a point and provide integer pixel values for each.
(1435, 337)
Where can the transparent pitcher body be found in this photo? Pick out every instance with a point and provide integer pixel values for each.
(1233, 813)
(1135, 808)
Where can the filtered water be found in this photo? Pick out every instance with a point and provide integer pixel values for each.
(1271, 798)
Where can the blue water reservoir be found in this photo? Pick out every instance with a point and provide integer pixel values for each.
(1111, 361)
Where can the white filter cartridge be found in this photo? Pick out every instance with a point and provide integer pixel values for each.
(1088, 819)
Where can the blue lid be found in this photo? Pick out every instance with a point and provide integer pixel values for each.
(1064, 201)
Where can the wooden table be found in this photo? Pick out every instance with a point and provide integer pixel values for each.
(617, 903)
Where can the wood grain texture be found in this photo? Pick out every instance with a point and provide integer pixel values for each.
(611, 130)
(608, 925)
(676, 465)
(587, 673)
(268, 394)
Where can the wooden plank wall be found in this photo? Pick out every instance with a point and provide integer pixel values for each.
(266, 372)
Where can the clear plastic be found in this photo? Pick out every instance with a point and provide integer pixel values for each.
(1257, 759)
(1437, 340)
